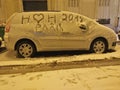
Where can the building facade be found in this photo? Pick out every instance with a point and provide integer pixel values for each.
(96, 9)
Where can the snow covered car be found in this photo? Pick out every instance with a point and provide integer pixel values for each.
(30, 32)
(0, 41)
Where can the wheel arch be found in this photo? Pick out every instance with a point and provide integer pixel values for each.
(106, 41)
(24, 39)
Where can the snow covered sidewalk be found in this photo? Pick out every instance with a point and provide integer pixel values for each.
(8, 58)
(97, 78)
(32, 61)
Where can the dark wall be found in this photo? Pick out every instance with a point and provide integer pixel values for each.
(40, 5)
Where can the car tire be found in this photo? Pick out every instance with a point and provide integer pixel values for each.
(26, 49)
(99, 46)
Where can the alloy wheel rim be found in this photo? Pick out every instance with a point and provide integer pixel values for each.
(25, 50)
(99, 47)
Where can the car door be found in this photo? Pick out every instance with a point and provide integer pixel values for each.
(47, 29)
(75, 31)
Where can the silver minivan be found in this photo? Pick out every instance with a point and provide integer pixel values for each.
(30, 32)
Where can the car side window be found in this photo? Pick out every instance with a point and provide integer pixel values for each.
(71, 22)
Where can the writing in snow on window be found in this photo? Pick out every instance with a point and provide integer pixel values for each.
(73, 3)
(50, 22)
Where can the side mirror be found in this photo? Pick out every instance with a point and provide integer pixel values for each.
(83, 26)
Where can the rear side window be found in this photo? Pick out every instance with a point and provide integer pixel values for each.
(15, 19)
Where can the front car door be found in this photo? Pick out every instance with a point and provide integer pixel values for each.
(74, 36)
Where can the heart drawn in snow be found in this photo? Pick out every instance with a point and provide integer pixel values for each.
(38, 17)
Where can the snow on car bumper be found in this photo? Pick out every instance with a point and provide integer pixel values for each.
(6, 40)
(112, 40)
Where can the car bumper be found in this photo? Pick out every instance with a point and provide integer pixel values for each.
(9, 41)
(6, 40)
(112, 41)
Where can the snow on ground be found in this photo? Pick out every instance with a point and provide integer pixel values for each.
(102, 78)
(9, 58)
(95, 78)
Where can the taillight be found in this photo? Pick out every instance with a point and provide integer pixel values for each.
(7, 28)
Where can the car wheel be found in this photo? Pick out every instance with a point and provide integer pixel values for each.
(99, 46)
(26, 49)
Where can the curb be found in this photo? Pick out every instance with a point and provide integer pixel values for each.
(13, 69)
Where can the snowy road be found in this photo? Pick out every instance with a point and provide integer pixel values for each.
(96, 78)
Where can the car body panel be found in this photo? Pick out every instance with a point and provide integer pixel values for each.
(53, 31)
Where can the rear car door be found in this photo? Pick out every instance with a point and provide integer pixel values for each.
(47, 29)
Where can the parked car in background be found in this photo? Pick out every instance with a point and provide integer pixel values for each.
(30, 32)
(2, 30)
